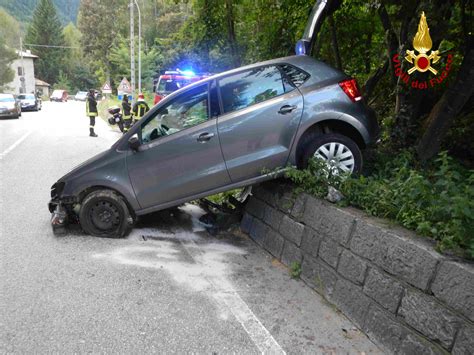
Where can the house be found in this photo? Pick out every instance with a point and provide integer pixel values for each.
(42, 87)
(24, 68)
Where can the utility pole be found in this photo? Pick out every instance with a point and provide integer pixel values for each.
(139, 48)
(132, 51)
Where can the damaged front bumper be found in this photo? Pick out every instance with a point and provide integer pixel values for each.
(59, 206)
(59, 218)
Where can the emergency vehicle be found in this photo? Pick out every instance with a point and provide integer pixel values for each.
(173, 80)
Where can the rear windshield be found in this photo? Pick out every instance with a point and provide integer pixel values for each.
(167, 86)
(57, 93)
(28, 97)
(6, 98)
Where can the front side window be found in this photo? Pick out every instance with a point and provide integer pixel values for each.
(251, 87)
(187, 110)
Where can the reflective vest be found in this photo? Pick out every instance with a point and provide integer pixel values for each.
(126, 108)
(139, 109)
(91, 107)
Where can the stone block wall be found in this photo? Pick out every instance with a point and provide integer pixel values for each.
(391, 283)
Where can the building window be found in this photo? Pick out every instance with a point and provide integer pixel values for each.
(20, 71)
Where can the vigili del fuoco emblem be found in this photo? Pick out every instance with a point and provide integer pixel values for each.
(422, 43)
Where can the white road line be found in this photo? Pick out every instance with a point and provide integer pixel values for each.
(225, 293)
(14, 145)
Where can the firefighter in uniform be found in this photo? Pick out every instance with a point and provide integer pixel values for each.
(126, 113)
(91, 111)
(140, 108)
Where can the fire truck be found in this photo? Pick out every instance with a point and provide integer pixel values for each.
(172, 80)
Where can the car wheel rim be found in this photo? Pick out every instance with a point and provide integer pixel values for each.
(105, 216)
(337, 157)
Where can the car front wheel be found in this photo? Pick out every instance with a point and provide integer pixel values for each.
(105, 214)
(340, 153)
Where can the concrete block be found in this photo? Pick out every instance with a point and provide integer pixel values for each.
(454, 285)
(383, 289)
(265, 192)
(299, 206)
(310, 241)
(329, 251)
(352, 267)
(399, 256)
(395, 338)
(246, 223)
(464, 344)
(350, 299)
(291, 253)
(274, 243)
(286, 199)
(318, 275)
(273, 217)
(255, 207)
(331, 221)
(258, 231)
(430, 318)
(291, 230)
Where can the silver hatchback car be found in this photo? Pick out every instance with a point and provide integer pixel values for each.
(217, 134)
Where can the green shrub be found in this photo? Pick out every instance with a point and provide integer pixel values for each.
(436, 201)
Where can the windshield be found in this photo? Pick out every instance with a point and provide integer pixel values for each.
(28, 97)
(6, 98)
(57, 93)
(167, 86)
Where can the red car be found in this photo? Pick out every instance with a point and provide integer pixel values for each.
(173, 80)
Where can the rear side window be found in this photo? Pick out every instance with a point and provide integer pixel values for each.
(295, 75)
(251, 87)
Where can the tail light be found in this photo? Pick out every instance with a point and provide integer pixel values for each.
(351, 89)
(157, 99)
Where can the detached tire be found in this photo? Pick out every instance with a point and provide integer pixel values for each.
(104, 214)
(338, 151)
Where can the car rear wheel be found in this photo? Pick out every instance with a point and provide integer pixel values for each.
(105, 214)
(340, 153)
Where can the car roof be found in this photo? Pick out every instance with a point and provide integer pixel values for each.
(5, 95)
(318, 71)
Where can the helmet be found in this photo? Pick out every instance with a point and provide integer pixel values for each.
(141, 96)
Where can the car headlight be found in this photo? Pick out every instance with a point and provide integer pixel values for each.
(57, 190)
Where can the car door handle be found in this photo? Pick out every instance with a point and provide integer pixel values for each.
(287, 109)
(204, 137)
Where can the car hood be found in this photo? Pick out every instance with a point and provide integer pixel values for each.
(87, 166)
(8, 105)
(28, 101)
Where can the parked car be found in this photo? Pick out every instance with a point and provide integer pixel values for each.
(10, 106)
(59, 96)
(218, 134)
(30, 102)
(81, 96)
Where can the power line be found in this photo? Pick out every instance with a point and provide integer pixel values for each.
(50, 46)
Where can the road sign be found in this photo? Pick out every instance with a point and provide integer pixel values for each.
(124, 87)
(106, 89)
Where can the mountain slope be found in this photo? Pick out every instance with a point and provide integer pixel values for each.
(23, 9)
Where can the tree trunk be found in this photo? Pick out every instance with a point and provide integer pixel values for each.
(391, 38)
(443, 113)
(372, 82)
(231, 33)
(335, 46)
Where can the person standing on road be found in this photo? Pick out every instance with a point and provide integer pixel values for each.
(91, 111)
(140, 108)
(126, 113)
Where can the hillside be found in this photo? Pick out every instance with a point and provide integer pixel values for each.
(23, 9)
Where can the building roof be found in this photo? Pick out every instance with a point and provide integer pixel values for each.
(39, 82)
(26, 54)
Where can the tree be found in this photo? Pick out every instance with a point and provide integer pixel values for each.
(9, 30)
(101, 23)
(44, 36)
(7, 55)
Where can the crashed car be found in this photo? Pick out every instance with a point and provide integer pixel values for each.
(227, 131)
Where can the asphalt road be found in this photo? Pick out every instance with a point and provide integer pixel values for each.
(169, 287)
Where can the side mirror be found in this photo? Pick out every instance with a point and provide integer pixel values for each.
(133, 143)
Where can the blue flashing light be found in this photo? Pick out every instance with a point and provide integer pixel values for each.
(188, 73)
